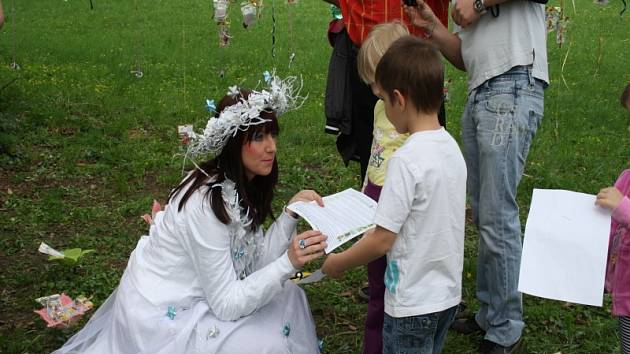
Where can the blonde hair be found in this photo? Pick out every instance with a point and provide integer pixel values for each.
(375, 45)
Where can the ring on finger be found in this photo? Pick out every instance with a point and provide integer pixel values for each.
(302, 244)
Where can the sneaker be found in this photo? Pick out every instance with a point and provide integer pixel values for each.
(364, 293)
(461, 311)
(466, 326)
(489, 347)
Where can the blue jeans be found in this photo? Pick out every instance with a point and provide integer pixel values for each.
(498, 126)
(422, 334)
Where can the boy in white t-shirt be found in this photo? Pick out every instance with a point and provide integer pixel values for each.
(420, 215)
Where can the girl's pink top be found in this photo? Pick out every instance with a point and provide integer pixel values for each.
(618, 270)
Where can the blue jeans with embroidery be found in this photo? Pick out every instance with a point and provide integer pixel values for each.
(499, 123)
(422, 334)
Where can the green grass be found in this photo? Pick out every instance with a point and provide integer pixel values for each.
(85, 146)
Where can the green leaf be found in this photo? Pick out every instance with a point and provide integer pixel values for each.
(71, 256)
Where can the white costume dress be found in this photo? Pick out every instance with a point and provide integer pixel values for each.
(195, 285)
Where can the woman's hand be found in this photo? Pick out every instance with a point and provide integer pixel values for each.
(305, 247)
(609, 198)
(155, 208)
(307, 196)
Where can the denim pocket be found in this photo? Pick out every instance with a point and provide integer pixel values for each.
(495, 119)
(415, 334)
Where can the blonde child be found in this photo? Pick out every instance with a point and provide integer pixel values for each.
(420, 214)
(385, 141)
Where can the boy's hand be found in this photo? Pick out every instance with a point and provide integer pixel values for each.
(330, 267)
(609, 198)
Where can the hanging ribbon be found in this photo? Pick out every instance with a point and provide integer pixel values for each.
(273, 29)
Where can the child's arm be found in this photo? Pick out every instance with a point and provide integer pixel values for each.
(374, 244)
(612, 199)
(621, 213)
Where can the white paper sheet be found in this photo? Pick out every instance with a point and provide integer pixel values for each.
(344, 216)
(565, 247)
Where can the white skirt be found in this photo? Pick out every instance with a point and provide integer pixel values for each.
(127, 323)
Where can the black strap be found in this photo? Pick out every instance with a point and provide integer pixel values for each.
(492, 11)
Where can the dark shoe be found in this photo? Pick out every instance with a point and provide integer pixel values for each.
(488, 347)
(466, 326)
(364, 293)
(461, 311)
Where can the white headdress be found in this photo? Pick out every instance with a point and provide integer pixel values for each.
(280, 96)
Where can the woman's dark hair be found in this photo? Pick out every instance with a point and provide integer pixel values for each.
(255, 194)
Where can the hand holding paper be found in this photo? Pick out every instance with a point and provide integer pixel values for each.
(344, 216)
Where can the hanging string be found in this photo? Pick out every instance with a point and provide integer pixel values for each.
(623, 9)
(221, 16)
(137, 68)
(91, 5)
(290, 4)
(185, 108)
(600, 51)
(273, 29)
(14, 64)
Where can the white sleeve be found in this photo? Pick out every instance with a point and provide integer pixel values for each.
(394, 204)
(157, 219)
(277, 239)
(207, 242)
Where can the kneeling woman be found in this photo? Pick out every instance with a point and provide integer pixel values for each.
(206, 279)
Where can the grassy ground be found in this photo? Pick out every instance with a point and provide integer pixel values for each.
(85, 146)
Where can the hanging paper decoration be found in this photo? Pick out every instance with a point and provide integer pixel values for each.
(249, 9)
(447, 97)
(184, 132)
(561, 29)
(556, 21)
(220, 10)
(221, 18)
(552, 15)
(61, 311)
(224, 35)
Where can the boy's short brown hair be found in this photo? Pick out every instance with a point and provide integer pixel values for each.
(375, 45)
(413, 67)
(625, 95)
